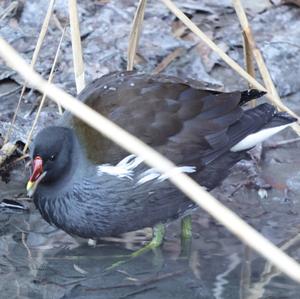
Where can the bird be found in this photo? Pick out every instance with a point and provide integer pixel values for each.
(86, 185)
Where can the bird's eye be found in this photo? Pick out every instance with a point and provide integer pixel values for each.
(52, 158)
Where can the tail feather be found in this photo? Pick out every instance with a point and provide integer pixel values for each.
(250, 94)
(256, 125)
(279, 119)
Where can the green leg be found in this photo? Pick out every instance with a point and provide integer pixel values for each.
(157, 239)
(186, 235)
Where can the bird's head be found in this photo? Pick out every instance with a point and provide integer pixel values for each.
(50, 156)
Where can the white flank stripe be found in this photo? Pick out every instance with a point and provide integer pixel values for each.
(130, 162)
(115, 171)
(124, 169)
(148, 175)
(256, 138)
(153, 174)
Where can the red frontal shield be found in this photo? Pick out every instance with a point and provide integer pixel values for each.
(37, 168)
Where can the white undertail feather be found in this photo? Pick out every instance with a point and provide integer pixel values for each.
(256, 138)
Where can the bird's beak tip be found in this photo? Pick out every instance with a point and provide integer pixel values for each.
(32, 185)
(30, 188)
(29, 185)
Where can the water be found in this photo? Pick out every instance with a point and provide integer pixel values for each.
(39, 261)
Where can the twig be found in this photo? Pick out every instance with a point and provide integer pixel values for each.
(76, 46)
(135, 33)
(132, 144)
(137, 292)
(139, 283)
(167, 60)
(33, 61)
(272, 92)
(23, 157)
(44, 95)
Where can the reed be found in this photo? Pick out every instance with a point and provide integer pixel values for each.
(135, 33)
(272, 92)
(76, 46)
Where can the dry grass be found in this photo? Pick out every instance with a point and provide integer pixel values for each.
(33, 61)
(135, 33)
(28, 140)
(196, 193)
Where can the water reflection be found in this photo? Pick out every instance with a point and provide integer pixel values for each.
(38, 261)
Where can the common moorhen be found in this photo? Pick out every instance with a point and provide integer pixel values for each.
(86, 185)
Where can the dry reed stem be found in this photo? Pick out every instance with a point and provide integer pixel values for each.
(132, 144)
(167, 60)
(57, 22)
(33, 61)
(192, 26)
(248, 56)
(76, 46)
(272, 92)
(44, 95)
(135, 33)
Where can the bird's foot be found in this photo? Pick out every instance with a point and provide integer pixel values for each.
(158, 236)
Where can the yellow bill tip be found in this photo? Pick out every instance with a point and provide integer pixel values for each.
(29, 186)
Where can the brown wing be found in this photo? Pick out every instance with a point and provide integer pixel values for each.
(176, 117)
